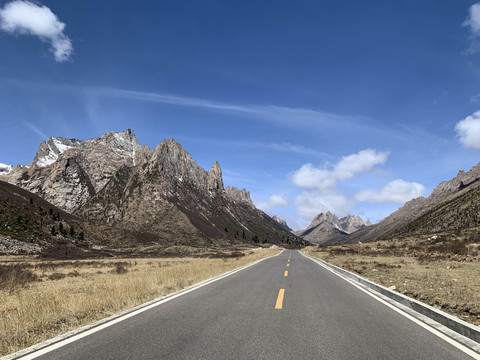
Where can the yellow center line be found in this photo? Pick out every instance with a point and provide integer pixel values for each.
(279, 303)
(288, 264)
(286, 273)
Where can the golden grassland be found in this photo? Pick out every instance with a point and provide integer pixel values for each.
(449, 281)
(40, 299)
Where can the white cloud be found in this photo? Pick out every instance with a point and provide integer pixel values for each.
(475, 98)
(396, 192)
(313, 202)
(308, 176)
(473, 19)
(273, 202)
(26, 18)
(473, 23)
(468, 131)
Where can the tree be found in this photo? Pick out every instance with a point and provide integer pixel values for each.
(81, 236)
(72, 231)
(53, 231)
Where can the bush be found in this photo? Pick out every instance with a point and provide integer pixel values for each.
(56, 276)
(120, 269)
(12, 276)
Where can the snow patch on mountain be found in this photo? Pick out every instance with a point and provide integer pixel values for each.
(50, 151)
(60, 146)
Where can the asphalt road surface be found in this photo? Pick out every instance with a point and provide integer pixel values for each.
(263, 312)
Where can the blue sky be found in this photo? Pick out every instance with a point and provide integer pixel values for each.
(348, 106)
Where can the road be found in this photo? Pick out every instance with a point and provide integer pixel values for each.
(247, 315)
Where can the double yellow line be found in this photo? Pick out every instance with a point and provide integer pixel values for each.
(281, 292)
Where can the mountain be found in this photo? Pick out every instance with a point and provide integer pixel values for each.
(114, 182)
(327, 226)
(453, 205)
(282, 222)
(67, 172)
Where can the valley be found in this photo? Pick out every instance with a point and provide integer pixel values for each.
(105, 225)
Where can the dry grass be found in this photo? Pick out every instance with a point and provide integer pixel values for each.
(41, 299)
(426, 272)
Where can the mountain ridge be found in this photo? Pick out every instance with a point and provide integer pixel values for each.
(113, 181)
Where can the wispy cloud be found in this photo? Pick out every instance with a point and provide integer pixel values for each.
(473, 23)
(285, 147)
(36, 130)
(475, 98)
(291, 148)
(277, 114)
(26, 18)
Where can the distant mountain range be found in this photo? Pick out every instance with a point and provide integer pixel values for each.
(325, 227)
(452, 206)
(113, 181)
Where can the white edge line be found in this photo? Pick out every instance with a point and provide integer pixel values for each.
(451, 341)
(57, 342)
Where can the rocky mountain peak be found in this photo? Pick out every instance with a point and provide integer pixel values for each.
(67, 172)
(215, 180)
(324, 217)
(282, 222)
(49, 151)
(351, 223)
(241, 196)
(326, 225)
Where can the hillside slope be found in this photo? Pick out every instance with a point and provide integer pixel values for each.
(451, 206)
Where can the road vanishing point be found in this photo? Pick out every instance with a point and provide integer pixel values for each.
(284, 307)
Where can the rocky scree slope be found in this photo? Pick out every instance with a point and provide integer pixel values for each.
(114, 181)
(452, 205)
